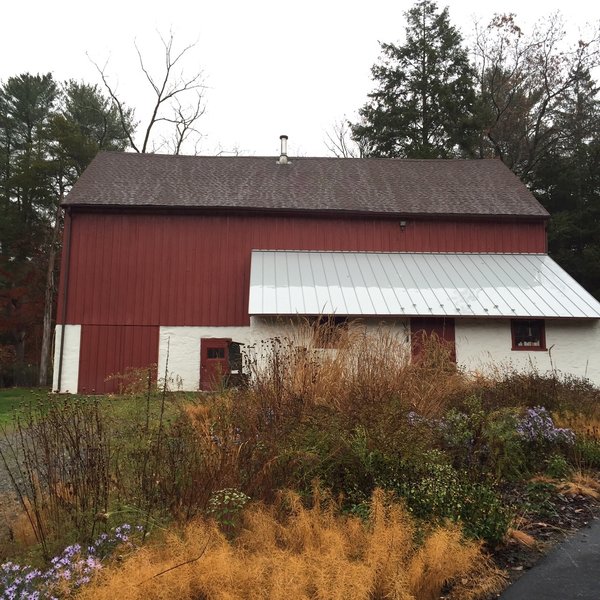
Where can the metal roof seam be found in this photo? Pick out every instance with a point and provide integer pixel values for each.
(504, 268)
(469, 286)
(554, 296)
(389, 282)
(409, 274)
(301, 285)
(484, 274)
(326, 285)
(437, 300)
(402, 284)
(356, 299)
(367, 288)
(552, 266)
(443, 276)
(509, 290)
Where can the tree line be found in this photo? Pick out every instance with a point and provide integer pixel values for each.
(49, 133)
(528, 99)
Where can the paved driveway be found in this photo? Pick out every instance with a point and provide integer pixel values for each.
(570, 572)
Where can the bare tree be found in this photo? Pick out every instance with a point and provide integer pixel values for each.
(178, 99)
(523, 79)
(184, 122)
(49, 294)
(340, 143)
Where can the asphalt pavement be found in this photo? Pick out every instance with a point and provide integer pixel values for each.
(571, 571)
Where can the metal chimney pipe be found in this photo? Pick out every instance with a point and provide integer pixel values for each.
(283, 158)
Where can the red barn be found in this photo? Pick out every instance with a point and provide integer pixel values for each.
(183, 255)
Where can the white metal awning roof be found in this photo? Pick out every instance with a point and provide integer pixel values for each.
(417, 284)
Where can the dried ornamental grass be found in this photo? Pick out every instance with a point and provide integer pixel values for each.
(581, 423)
(581, 484)
(290, 551)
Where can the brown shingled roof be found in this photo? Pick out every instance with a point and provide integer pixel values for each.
(436, 187)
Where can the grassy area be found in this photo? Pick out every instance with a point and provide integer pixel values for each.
(12, 398)
(118, 407)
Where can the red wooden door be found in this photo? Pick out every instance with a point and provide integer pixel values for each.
(425, 328)
(214, 362)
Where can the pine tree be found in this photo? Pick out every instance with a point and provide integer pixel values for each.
(423, 105)
(48, 135)
(567, 182)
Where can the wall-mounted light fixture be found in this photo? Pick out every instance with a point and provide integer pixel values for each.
(402, 225)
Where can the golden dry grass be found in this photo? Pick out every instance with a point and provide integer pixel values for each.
(579, 483)
(289, 551)
(15, 526)
(581, 423)
(521, 537)
(22, 532)
(366, 367)
(582, 484)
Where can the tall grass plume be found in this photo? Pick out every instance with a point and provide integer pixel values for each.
(290, 551)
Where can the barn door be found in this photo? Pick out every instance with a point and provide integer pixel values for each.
(425, 328)
(214, 362)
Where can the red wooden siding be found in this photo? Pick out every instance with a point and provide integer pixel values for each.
(111, 349)
(154, 269)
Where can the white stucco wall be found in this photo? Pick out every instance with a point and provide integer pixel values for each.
(573, 348)
(183, 345)
(482, 345)
(70, 361)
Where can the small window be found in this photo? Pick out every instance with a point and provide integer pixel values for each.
(215, 352)
(328, 331)
(528, 334)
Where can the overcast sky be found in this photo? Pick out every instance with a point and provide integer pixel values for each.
(270, 67)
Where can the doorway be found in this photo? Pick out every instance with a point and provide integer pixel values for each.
(424, 328)
(214, 362)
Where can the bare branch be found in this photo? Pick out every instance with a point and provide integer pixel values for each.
(116, 101)
(523, 79)
(340, 143)
(170, 90)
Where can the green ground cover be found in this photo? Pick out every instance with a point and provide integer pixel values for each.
(11, 399)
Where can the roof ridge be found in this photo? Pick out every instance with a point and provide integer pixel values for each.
(291, 157)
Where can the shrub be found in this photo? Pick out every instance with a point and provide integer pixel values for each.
(509, 388)
(506, 450)
(538, 498)
(77, 461)
(225, 507)
(586, 453)
(557, 466)
(58, 459)
(437, 490)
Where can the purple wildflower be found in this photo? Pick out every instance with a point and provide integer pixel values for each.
(73, 567)
(537, 426)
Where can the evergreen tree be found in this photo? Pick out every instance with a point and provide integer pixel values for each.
(567, 182)
(87, 124)
(28, 105)
(48, 135)
(423, 105)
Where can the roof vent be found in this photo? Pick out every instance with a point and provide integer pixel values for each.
(283, 158)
